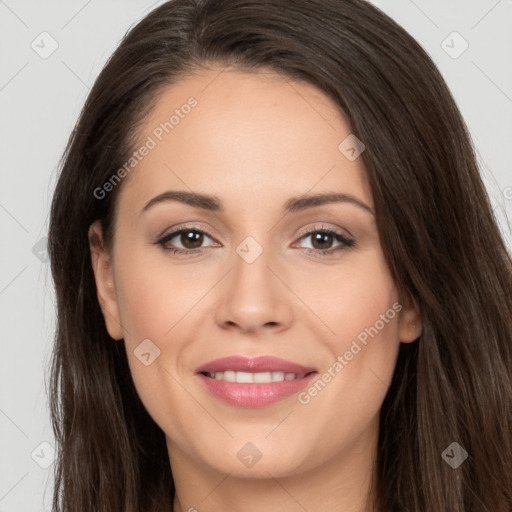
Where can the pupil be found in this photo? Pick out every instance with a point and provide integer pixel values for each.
(318, 238)
(192, 237)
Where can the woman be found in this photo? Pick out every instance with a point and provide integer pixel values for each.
(237, 368)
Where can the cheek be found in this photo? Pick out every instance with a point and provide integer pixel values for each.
(353, 383)
(370, 312)
(152, 306)
(154, 300)
(153, 295)
(359, 302)
(364, 316)
(141, 305)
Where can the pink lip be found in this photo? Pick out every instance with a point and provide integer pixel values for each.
(254, 395)
(253, 365)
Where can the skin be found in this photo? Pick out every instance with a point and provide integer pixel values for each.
(254, 140)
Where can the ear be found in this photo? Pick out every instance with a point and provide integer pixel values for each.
(410, 325)
(104, 277)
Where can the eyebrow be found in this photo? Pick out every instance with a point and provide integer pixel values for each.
(294, 204)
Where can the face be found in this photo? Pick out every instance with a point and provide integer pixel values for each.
(239, 274)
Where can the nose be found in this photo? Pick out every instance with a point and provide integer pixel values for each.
(253, 296)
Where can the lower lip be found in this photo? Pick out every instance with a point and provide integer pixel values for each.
(254, 395)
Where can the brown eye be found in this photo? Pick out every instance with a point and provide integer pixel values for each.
(322, 240)
(190, 239)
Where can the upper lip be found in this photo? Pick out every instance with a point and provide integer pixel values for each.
(253, 365)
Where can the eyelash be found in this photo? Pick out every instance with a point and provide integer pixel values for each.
(346, 242)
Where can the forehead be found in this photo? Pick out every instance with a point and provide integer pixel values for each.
(243, 136)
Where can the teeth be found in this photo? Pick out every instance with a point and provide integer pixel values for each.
(248, 377)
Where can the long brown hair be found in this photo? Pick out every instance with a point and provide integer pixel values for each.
(436, 226)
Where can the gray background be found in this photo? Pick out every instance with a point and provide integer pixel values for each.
(40, 99)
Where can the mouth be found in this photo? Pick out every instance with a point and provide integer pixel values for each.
(254, 377)
(254, 382)
(253, 365)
